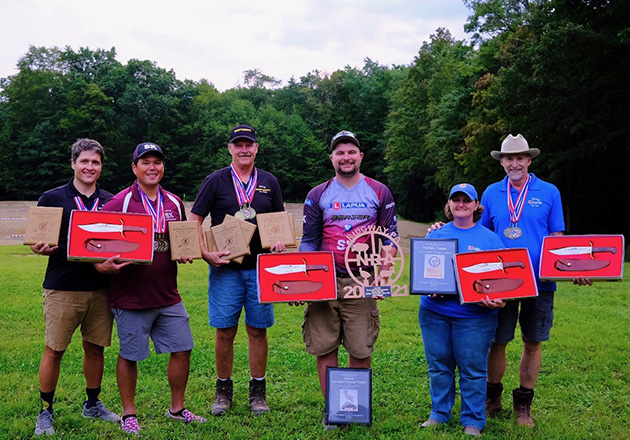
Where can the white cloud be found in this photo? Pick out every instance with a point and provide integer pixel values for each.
(201, 39)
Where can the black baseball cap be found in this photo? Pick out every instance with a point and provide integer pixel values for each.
(146, 148)
(243, 131)
(344, 136)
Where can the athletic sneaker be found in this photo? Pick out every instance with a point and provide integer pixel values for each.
(186, 416)
(130, 425)
(44, 423)
(100, 411)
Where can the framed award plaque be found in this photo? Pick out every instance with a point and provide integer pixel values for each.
(432, 270)
(348, 396)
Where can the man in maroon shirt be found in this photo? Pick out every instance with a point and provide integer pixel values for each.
(144, 298)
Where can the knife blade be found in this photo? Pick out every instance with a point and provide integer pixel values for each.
(582, 250)
(489, 267)
(283, 269)
(111, 227)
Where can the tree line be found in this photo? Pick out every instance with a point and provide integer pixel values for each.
(554, 70)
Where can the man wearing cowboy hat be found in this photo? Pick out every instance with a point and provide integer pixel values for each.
(521, 209)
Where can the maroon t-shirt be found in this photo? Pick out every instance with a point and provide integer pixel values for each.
(140, 286)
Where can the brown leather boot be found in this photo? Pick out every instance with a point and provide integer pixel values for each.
(522, 407)
(258, 396)
(493, 398)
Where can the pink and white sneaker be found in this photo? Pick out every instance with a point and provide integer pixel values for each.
(186, 416)
(130, 425)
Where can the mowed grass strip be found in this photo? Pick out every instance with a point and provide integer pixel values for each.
(583, 390)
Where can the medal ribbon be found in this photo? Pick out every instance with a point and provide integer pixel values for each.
(81, 206)
(159, 219)
(516, 209)
(244, 194)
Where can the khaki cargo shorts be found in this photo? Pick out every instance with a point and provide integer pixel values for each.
(353, 323)
(65, 311)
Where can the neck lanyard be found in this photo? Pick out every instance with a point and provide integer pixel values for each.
(159, 219)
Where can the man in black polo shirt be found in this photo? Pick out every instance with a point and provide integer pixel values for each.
(241, 190)
(74, 293)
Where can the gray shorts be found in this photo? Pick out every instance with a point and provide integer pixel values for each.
(168, 328)
(535, 317)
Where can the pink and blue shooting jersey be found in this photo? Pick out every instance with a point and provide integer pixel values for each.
(333, 212)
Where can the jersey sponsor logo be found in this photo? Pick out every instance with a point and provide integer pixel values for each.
(169, 214)
(390, 205)
(349, 217)
(308, 202)
(534, 202)
(347, 205)
(347, 227)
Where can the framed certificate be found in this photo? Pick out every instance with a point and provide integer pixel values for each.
(432, 269)
(348, 396)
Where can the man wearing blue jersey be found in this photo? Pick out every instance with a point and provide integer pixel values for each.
(522, 209)
(332, 210)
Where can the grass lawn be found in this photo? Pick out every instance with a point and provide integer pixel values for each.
(583, 390)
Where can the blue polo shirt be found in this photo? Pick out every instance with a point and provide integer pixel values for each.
(477, 238)
(542, 215)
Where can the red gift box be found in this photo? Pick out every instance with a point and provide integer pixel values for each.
(496, 274)
(598, 257)
(98, 235)
(296, 276)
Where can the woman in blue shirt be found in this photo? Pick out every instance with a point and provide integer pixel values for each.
(459, 335)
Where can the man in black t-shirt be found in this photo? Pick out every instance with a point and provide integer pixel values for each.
(74, 292)
(241, 190)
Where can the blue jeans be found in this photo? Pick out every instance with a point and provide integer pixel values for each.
(463, 343)
(229, 291)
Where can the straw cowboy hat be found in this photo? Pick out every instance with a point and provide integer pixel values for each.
(515, 145)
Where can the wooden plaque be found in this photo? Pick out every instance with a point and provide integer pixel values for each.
(184, 238)
(228, 236)
(275, 226)
(43, 224)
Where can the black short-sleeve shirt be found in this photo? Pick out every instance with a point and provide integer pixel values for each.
(217, 197)
(62, 274)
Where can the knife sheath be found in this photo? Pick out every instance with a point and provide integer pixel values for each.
(496, 285)
(110, 246)
(569, 265)
(296, 287)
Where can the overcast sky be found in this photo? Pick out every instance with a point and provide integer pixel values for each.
(219, 40)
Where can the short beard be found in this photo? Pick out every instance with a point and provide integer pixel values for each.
(347, 174)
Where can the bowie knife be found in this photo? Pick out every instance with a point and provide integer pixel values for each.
(283, 269)
(489, 267)
(295, 287)
(582, 250)
(568, 265)
(112, 227)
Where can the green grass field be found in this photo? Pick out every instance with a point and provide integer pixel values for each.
(583, 391)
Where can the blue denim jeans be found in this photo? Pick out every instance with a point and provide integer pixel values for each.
(229, 292)
(463, 343)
